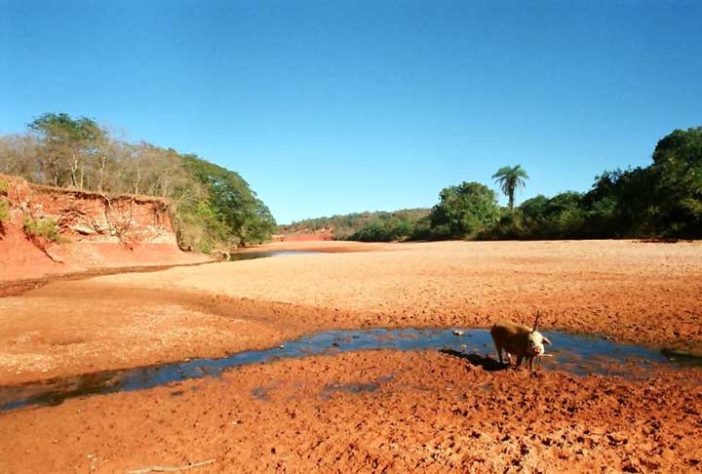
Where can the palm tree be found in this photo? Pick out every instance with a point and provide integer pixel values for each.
(510, 178)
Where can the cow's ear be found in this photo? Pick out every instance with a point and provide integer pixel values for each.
(546, 341)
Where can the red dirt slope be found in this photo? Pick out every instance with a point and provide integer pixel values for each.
(95, 231)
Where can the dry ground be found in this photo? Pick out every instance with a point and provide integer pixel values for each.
(438, 413)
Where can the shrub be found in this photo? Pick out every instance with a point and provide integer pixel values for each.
(4, 210)
(41, 229)
(464, 211)
(4, 215)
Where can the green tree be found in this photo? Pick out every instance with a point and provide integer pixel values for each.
(559, 217)
(677, 178)
(464, 210)
(621, 204)
(509, 178)
(68, 147)
(365, 226)
(213, 208)
(247, 219)
(386, 227)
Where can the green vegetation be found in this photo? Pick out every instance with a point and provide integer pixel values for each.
(663, 200)
(41, 228)
(4, 187)
(509, 178)
(393, 226)
(212, 206)
(4, 210)
(367, 226)
(464, 211)
(559, 217)
(231, 214)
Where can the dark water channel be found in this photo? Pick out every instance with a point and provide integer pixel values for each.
(239, 256)
(581, 355)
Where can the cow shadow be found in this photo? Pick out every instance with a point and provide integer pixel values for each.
(488, 364)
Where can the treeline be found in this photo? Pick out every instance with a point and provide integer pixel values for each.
(213, 208)
(364, 226)
(662, 200)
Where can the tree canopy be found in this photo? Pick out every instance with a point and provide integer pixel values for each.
(67, 146)
(464, 210)
(213, 207)
(662, 200)
(378, 226)
(510, 178)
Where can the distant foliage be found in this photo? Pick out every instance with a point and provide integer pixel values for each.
(464, 211)
(510, 178)
(662, 200)
(365, 226)
(389, 227)
(212, 206)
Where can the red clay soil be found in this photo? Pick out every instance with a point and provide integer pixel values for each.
(430, 413)
(94, 231)
(437, 413)
(22, 260)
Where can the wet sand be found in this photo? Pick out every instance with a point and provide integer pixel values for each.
(487, 421)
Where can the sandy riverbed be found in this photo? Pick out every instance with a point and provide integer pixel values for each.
(638, 292)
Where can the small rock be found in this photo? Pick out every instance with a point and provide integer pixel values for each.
(83, 229)
(458, 332)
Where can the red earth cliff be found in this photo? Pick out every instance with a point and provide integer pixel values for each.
(94, 230)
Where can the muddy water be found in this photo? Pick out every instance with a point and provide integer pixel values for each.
(581, 355)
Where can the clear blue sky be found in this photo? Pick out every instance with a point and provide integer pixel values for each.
(329, 107)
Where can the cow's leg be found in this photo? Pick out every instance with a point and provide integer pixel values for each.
(499, 352)
(519, 361)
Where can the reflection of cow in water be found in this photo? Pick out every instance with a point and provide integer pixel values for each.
(519, 340)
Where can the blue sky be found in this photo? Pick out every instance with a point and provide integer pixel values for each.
(329, 107)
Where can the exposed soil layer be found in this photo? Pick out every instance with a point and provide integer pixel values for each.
(408, 412)
(89, 231)
(380, 411)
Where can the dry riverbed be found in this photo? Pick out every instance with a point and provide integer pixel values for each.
(429, 412)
